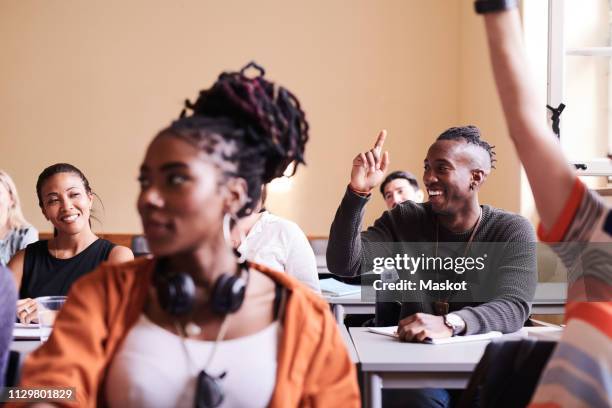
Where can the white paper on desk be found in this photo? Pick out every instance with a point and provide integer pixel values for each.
(392, 331)
(332, 287)
(23, 331)
(385, 331)
(462, 339)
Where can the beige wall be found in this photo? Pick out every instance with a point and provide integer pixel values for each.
(90, 83)
(479, 104)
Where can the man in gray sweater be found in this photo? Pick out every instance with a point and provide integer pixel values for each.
(455, 168)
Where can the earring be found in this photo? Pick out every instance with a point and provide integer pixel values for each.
(227, 229)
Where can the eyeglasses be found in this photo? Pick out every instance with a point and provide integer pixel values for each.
(209, 393)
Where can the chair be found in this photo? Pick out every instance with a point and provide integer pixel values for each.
(507, 373)
(139, 246)
(12, 369)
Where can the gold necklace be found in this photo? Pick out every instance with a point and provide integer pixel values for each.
(440, 306)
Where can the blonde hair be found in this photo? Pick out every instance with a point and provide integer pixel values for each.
(15, 216)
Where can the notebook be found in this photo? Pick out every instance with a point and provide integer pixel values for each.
(392, 331)
(332, 287)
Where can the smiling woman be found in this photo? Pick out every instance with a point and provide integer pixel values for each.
(50, 267)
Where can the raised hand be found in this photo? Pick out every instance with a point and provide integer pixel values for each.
(369, 168)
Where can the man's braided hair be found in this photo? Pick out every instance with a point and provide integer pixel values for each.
(470, 134)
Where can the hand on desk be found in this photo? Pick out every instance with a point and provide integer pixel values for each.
(27, 311)
(419, 326)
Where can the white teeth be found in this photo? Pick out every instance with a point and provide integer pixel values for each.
(434, 192)
(70, 218)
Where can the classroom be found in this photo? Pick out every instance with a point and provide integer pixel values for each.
(329, 203)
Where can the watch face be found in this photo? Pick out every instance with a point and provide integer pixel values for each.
(454, 320)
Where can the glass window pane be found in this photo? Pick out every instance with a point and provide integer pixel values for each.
(585, 120)
(587, 23)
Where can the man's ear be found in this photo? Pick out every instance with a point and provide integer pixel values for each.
(478, 177)
(235, 195)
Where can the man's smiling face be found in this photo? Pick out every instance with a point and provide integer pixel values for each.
(448, 174)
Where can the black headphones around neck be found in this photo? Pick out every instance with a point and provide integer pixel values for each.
(176, 290)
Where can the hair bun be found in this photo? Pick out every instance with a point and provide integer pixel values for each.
(270, 115)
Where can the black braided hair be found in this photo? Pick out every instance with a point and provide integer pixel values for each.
(263, 120)
(470, 134)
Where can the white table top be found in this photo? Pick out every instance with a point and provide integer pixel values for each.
(352, 299)
(545, 293)
(383, 353)
(25, 346)
(348, 342)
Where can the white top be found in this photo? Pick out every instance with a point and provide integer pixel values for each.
(151, 368)
(281, 245)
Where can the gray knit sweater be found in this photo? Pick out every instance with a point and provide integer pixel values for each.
(411, 222)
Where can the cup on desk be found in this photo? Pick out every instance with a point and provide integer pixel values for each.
(48, 307)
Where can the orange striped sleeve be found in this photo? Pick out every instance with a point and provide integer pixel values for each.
(560, 227)
(597, 314)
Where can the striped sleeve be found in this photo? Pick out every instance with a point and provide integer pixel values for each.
(567, 217)
(579, 373)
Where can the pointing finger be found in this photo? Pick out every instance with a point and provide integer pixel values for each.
(380, 140)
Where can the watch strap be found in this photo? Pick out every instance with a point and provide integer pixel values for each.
(493, 6)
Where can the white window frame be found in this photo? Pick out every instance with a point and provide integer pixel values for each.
(556, 80)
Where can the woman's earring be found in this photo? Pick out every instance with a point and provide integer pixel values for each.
(227, 235)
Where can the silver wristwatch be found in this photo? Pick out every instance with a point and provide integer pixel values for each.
(455, 323)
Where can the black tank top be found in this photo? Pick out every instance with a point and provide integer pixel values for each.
(45, 275)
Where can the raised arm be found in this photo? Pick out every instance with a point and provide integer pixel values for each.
(344, 251)
(549, 174)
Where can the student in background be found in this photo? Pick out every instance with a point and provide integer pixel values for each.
(579, 372)
(8, 296)
(50, 267)
(277, 243)
(152, 333)
(15, 232)
(400, 186)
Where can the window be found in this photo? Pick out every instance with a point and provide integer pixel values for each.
(578, 73)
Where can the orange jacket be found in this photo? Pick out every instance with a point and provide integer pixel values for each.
(313, 368)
